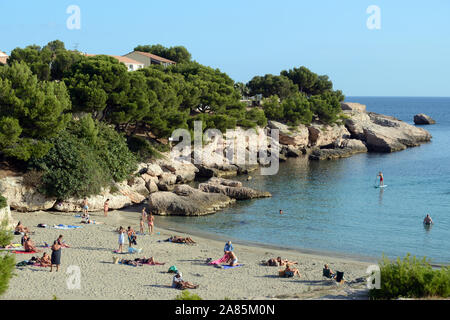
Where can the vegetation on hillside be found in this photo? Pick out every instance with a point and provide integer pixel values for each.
(80, 122)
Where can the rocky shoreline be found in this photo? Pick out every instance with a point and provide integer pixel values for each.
(163, 182)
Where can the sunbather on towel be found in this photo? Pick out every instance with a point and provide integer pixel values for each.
(289, 272)
(149, 261)
(29, 246)
(180, 284)
(177, 239)
(232, 259)
(45, 261)
(21, 228)
(130, 262)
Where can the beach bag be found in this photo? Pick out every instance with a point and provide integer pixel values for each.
(41, 225)
(172, 269)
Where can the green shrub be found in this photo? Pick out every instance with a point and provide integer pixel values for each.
(411, 278)
(186, 295)
(143, 149)
(3, 202)
(7, 262)
(71, 169)
(112, 148)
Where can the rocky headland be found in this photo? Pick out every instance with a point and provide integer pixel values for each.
(163, 182)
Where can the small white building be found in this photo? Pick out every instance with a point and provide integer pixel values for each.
(3, 57)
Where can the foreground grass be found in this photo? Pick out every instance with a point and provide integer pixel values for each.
(411, 278)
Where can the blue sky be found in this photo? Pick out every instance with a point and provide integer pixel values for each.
(408, 56)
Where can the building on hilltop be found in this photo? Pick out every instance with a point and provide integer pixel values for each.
(149, 58)
(3, 57)
(132, 65)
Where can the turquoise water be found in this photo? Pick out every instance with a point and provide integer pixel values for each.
(333, 206)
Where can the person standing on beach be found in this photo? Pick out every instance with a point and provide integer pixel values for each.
(85, 209)
(143, 218)
(106, 207)
(121, 239)
(150, 221)
(56, 256)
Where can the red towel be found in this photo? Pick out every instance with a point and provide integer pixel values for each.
(24, 252)
(221, 260)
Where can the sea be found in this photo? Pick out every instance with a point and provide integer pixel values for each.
(333, 206)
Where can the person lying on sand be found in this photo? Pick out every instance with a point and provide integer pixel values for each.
(177, 239)
(131, 262)
(149, 261)
(180, 284)
(289, 272)
(29, 246)
(278, 262)
(21, 228)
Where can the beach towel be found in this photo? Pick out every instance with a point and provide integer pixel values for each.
(219, 261)
(23, 252)
(231, 267)
(37, 264)
(134, 250)
(65, 227)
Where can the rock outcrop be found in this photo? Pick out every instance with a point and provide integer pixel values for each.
(297, 136)
(232, 189)
(423, 119)
(187, 201)
(323, 135)
(383, 133)
(5, 215)
(347, 148)
(23, 198)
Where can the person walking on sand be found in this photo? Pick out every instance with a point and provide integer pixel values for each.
(150, 221)
(121, 239)
(56, 256)
(106, 207)
(380, 174)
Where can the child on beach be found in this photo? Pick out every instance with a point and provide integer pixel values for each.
(85, 209)
(131, 237)
(121, 239)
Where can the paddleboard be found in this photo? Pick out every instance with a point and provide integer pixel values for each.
(381, 186)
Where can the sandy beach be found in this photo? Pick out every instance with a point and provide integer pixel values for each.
(92, 251)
